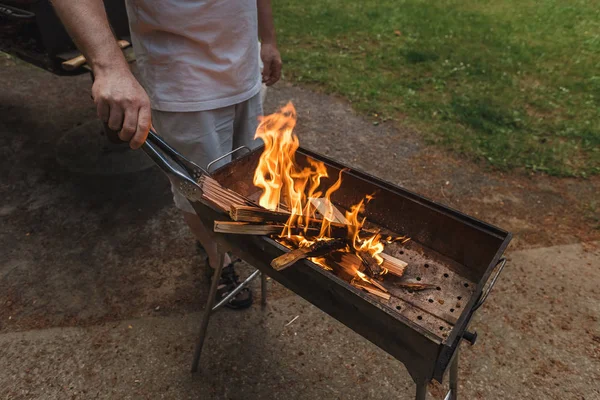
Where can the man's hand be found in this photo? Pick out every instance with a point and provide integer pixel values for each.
(123, 104)
(271, 63)
(119, 98)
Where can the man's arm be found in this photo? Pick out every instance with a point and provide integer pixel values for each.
(120, 99)
(268, 51)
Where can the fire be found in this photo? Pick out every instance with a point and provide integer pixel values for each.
(286, 186)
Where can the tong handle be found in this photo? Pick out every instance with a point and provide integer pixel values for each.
(157, 143)
(190, 167)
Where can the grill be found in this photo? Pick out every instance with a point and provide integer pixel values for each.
(460, 255)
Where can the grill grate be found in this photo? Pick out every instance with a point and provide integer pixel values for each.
(435, 310)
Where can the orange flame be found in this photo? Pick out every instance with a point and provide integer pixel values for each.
(287, 185)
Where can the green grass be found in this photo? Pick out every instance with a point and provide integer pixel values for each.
(513, 82)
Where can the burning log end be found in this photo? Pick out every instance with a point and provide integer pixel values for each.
(372, 268)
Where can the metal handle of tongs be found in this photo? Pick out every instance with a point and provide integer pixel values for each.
(168, 159)
(154, 143)
(183, 173)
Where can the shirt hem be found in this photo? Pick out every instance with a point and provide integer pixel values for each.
(183, 106)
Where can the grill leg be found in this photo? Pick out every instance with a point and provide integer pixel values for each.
(263, 289)
(208, 311)
(453, 393)
(421, 391)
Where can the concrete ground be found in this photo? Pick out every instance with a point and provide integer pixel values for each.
(101, 287)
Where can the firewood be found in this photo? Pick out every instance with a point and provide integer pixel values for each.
(393, 265)
(378, 285)
(245, 228)
(357, 262)
(328, 210)
(352, 262)
(221, 197)
(360, 284)
(372, 268)
(257, 214)
(414, 286)
(317, 249)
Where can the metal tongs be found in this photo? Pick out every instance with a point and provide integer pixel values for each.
(168, 159)
(183, 173)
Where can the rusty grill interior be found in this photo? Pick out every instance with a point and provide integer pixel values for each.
(455, 256)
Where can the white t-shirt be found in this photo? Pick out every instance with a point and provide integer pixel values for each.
(196, 55)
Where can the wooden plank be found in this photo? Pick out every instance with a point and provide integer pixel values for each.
(318, 249)
(370, 289)
(245, 228)
(393, 265)
(328, 210)
(257, 214)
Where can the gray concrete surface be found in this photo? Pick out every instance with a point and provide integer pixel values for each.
(85, 257)
(545, 348)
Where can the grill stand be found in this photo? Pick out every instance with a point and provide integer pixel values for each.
(211, 308)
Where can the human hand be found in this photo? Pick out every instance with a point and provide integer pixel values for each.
(123, 104)
(271, 63)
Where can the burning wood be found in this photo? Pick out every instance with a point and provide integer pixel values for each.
(328, 210)
(254, 214)
(316, 249)
(297, 211)
(371, 264)
(391, 264)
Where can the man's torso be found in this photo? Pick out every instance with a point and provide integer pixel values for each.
(196, 55)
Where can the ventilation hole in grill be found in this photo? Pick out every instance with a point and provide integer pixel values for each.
(438, 288)
(459, 297)
(398, 307)
(441, 328)
(457, 305)
(446, 275)
(410, 291)
(426, 265)
(418, 278)
(452, 310)
(401, 252)
(466, 285)
(430, 300)
(419, 317)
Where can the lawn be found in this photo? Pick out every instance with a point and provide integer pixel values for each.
(512, 82)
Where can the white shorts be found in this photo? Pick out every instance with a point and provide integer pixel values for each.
(204, 136)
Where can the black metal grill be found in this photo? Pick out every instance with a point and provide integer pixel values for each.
(449, 249)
